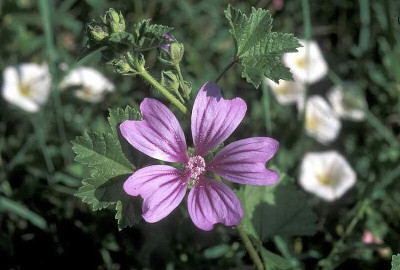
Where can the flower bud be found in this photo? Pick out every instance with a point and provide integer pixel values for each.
(176, 52)
(114, 21)
(170, 80)
(97, 33)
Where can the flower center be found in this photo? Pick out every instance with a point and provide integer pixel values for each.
(301, 62)
(25, 91)
(325, 179)
(282, 90)
(196, 166)
(312, 122)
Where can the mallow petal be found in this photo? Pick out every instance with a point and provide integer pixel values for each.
(214, 118)
(158, 135)
(162, 188)
(244, 161)
(211, 202)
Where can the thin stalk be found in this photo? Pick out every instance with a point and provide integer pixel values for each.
(163, 91)
(382, 130)
(134, 63)
(365, 18)
(250, 248)
(307, 19)
(307, 34)
(357, 217)
(42, 145)
(46, 10)
(182, 81)
(234, 61)
(267, 110)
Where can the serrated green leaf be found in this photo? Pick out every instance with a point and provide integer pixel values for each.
(109, 167)
(258, 50)
(396, 262)
(273, 261)
(122, 37)
(276, 210)
(89, 49)
(119, 115)
(128, 212)
(149, 35)
(102, 152)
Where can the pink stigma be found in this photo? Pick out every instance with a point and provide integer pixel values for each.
(196, 167)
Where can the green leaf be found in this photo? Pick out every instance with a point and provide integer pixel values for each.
(396, 262)
(273, 261)
(103, 153)
(276, 210)
(117, 116)
(107, 156)
(89, 49)
(258, 50)
(122, 37)
(9, 206)
(149, 35)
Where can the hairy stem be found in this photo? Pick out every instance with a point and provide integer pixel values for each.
(234, 61)
(163, 91)
(267, 112)
(133, 61)
(182, 82)
(250, 248)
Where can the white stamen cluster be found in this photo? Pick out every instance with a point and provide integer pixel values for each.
(196, 167)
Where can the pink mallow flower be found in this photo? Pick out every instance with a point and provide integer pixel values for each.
(163, 187)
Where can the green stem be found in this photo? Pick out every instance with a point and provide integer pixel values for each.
(307, 19)
(42, 144)
(234, 61)
(382, 130)
(307, 34)
(150, 79)
(46, 10)
(182, 81)
(357, 217)
(365, 18)
(250, 248)
(163, 91)
(267, 111)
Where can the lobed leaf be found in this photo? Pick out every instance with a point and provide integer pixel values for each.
(149, 35)
(276, 210)
(109, 167)
(258, 50)
(396, 262)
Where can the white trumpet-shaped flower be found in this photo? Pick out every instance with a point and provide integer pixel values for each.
(348, 103)
(26, 85)
(91, 84)
(286, 92)
(321, 121)
(307, 64)
(326, 174)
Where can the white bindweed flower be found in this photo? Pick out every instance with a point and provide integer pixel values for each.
(321, 121)
(27, 85)
(308, 64)
(348, 103)
(326, 174)
(286, 92)
(92, 85)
